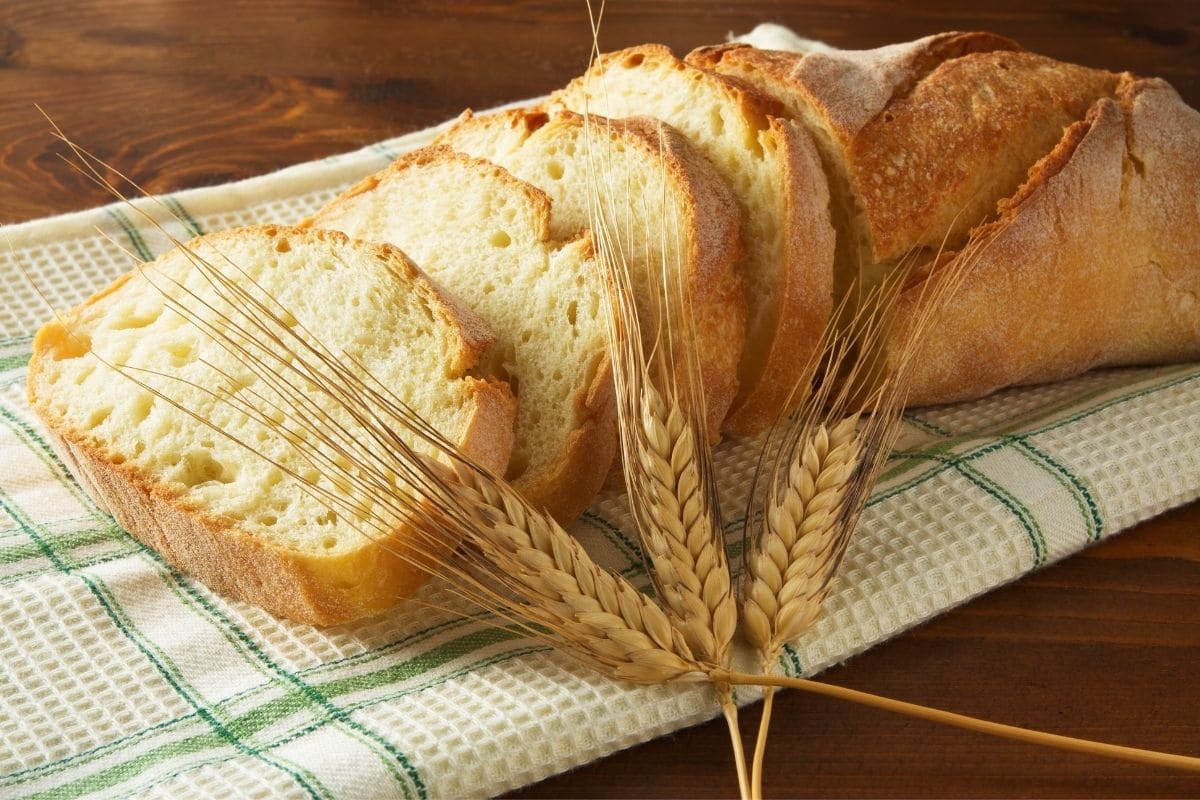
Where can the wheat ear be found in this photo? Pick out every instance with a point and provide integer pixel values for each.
(787, 580)
(831, 454)
(661, 412)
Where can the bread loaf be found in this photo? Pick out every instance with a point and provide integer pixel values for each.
(1069, 195)
(670, 208)
(211, 487)
(958, 141)
(485, 236)
(772, 167)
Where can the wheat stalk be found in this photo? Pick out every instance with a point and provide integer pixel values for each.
(665, 453)
(831, 455)
(787, 574)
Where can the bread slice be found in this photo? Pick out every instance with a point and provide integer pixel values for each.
(184, 480)
(1095, 261)
(670, 205)
(485, 236)
(774, 171)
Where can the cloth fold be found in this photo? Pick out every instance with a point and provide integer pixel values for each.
(122, 677)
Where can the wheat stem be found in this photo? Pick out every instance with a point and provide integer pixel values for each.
(760, 744)
(1058, 741)
(730, 710)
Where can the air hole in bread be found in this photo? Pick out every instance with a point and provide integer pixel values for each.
(500, 239)
(572, 309)
(283, 246)
(267, 519)
(633, 60)
(555, 170)
(716, 122)
(97, 417)
(83, 374)
(489, 287)
(200, 466)
(328, 518)
(181, 352)
(132, 318)
(140, 408)
(329, 542)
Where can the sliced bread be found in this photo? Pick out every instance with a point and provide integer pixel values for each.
(210, 485)
(485, 236)
(670, 206)
(773, 168)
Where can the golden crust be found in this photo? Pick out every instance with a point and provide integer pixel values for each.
(305, 587)
(927, 134)
(933, 164)
(1095, 261)
(931, 143)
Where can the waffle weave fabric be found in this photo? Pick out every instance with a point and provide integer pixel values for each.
(122, 677)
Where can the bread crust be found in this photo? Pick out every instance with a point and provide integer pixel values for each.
(237, 563)
(804, 294)
(573, 476)
(926, 134)
(957, 141)
(1099, 251)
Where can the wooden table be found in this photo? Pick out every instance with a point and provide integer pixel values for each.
(179, 94)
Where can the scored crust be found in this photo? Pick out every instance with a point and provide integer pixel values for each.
(569, 478)
(957, 141)
(309, 587)
(709, 222)
(1099, 251)
(926, 136)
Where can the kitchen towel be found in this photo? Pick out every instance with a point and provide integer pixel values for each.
(121, 677)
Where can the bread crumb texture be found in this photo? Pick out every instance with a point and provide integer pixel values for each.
(201, 446)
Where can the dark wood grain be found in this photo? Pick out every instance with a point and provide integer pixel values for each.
(181, 94)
